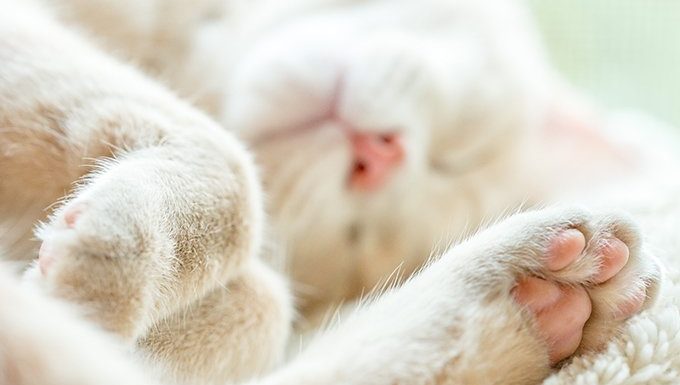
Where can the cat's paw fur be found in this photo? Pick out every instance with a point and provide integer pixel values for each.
(522, 244)
(107, 257)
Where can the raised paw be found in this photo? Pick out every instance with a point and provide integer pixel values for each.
(54, 245)
(561, 311)
(99, 255)
(580, 275)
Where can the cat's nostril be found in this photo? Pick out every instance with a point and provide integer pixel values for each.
(375, 157)
(387, 138)
(360, 167)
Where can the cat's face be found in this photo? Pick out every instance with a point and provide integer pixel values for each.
(383, 130)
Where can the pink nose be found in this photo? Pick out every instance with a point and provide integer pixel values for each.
(375, 156)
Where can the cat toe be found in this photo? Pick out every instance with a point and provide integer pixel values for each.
(565, 248)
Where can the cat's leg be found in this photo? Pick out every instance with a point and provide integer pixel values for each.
(170, 213)
(151, 231)
(155, 233)
(156, 237)
(226, 336)
(43, 342)
(457, 322)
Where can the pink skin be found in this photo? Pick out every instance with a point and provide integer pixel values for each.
(47, 255)
(376, 156)
(560, 311)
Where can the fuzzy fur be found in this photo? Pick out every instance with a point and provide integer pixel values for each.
(430, 71)
(166, 250)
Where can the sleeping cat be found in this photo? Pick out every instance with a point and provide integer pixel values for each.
(413, 117)
(382, 128)
(160, 244)
(385, 128)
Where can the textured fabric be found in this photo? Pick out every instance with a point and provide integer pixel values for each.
(647, 353)
(648, 350)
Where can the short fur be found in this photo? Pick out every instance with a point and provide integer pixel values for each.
(165, 252)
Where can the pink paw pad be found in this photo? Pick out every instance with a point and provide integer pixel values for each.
(614, 257)
(561, 311)
(72, 214)
(49, 250)
(565, 249)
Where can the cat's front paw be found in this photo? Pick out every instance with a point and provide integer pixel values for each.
(104, 255)
(562, 311)
(579, 275)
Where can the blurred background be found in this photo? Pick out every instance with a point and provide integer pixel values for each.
(624, 53)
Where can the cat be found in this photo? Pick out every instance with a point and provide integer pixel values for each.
(429, 81)
(318, 88)
(161, 245)
(383, 129)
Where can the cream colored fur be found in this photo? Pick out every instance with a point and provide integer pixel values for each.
(429, 70)
(166, 253)
(172, 221)
(425, 332)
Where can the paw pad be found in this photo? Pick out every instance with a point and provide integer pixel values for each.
(72, 214)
